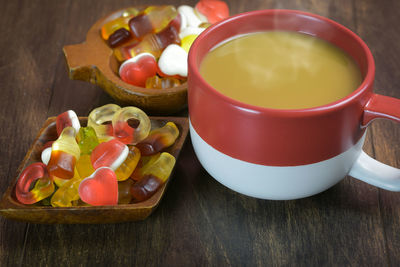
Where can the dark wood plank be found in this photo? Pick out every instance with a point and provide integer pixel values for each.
(82, 15)
(382, 37)
(28, 58)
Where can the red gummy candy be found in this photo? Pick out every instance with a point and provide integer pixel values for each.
(35, 171)
(66, 119)
(213, 10)
(109, 154)
(176, 22)
(119, 37)
(47, 145)
(136, 70)
(101, 188)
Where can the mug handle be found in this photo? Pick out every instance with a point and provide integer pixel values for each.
(366, 168)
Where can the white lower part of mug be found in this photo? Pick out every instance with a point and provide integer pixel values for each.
(292, 182)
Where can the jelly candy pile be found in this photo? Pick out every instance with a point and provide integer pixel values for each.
(152, 44)
(116, 159)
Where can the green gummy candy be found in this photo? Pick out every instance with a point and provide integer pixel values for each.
(87, 140)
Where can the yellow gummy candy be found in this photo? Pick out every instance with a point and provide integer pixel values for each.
(187, 41)
(128, 166)
(161, 167)
(84, 166)
(67, 193)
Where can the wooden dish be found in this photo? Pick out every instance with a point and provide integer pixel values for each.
(93, 61)
(12, 209)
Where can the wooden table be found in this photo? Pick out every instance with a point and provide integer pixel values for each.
(199, 222)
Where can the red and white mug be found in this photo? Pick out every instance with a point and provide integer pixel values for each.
(286, 154)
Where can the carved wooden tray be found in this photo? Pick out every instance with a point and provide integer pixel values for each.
(12, 209)
(93, 61)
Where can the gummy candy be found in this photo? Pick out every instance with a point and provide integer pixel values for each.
(46, 152)
(67, 193)
(87, 140)
(176, 22)
(144, 162)
(44, 187)
(46, 155)
(109, 154)
(84, 166)
(204, 25)
(192, 20)
(87, 172)
(153, 19)
(64, 154)
(122, 22)
(156, 82)
(119, 37)
(110, 27)
(100, 119)
(59, 181)
(173, 61)
(131, 125)
(124, 191)
(128, 166)
(101, 188)
(131, 11)
(158, 139)
(151, 43)
(190, 31)
(136, 70)
(187, 41)
(161, 167)
(213, 10)
(66, 119)
(153, 177)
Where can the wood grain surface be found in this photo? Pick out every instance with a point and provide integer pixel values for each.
(199, 222)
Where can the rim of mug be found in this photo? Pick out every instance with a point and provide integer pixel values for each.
(361, 89)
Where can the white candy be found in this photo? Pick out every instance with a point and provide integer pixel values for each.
(190, 30)
(74, 120)
(173, 61)
(192, 20)
(183, 22)
(46, 154)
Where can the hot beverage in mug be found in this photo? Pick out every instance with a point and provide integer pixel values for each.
(280, 69)
(279, 102)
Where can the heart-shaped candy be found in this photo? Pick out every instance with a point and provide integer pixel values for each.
(101, 188)
(190, 31)
(213, 10)
(173, 61)
(190, 18)
(136, 70)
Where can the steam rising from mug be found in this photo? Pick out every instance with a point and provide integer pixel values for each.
(280, 69)
(293, 153)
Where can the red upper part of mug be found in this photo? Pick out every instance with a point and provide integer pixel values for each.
(278, 137)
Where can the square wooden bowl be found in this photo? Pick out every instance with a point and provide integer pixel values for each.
(12, 209)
